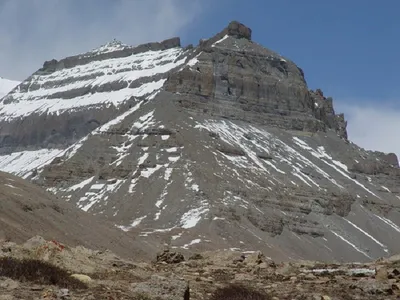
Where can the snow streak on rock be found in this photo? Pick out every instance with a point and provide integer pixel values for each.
(98, 192)
(351, 244)
(44, 100)
(23, 163)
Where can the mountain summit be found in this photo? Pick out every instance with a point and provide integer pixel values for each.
(217, 146)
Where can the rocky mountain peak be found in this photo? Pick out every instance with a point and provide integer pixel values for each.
(111, 46)
(391, 158)
(217, 146)
(238, 30)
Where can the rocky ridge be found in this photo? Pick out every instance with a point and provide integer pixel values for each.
(218, 146)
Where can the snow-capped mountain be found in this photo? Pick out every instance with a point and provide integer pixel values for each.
(221, 145)
(6, 86)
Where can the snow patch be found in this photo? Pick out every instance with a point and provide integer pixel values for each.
(150, 171)
(355, 271)
(24, 162)
(196, 241)
(219, 41)
(134, 223)
(194, 60)
(191, 218)
(195, 187)
(81, 185)
(99, 194)
(168, 173)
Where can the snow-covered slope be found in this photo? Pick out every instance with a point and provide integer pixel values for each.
(90, 89)
(217, 146)
(6, 86)
(51, 94)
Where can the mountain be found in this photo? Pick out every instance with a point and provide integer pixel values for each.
(6, 86)
(216, 146)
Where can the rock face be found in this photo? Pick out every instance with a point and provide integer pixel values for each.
(323, 110)
(221, 145)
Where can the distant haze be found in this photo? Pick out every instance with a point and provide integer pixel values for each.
(6, 86)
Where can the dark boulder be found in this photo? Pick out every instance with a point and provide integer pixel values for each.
(170, 257)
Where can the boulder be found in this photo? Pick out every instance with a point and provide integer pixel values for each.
(8, 284)
(83, 278)
(381, 274)
(170, 257)
(255, 258)
(391, 159)
(35, 242)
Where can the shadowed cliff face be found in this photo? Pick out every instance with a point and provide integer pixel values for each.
(216, 146)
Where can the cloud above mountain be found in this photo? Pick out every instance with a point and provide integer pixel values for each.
(372, 125)
(37, 30)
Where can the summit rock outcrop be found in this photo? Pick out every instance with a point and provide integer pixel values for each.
(217, 146)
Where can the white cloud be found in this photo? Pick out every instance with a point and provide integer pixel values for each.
(37, 30)
(372, 125)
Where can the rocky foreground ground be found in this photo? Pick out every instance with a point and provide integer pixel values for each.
(94, 275)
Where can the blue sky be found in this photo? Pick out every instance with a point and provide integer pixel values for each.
(347, 48)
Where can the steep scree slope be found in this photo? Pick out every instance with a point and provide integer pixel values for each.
(221, 145)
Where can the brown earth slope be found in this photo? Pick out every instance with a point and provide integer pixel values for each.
(27, 210)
